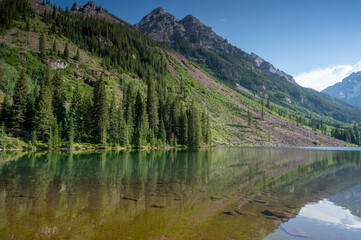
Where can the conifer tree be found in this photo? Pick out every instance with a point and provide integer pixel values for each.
(262, 110)
(66, 52)
(123, 130)
(162, 132)
(152, 108)
(5, 111)
(71, 132)
(55, 49)
(42, 45)
(100, 112)
(19, 102)
(184, 128)
(76, 113)
(58, 98)
(30, 111)
(114, 121)
(194, 130)
(44, 117)
(77, 56)
(249, 118)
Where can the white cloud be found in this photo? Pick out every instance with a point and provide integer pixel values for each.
(320, 79)
(329, 213)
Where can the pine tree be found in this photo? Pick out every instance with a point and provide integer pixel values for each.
(76, 113)
(152, 106)
(66, 52)
(206, 129)
(249, 118)
(30, 111)
(114, 120)
(55, 49)
(42, 45)
(71, 133)
(100, 112)
(184, 128)
(58, 97)
(123, 130)
(77, 56)
(44, 117)
(162, 132)
(194, 129)
(6, 111)
(19, 102)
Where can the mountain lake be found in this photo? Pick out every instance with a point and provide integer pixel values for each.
(216, 193)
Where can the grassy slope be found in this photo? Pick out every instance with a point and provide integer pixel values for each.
(227, 107)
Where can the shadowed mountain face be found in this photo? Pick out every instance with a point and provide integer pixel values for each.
(349, 90)
(164, 27)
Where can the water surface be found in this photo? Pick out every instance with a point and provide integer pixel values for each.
(220, 193)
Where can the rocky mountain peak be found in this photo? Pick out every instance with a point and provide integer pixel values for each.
(348, 90)
(91, 9)
(163, 27)
(158, 11)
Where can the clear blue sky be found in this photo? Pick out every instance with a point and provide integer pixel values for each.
(294, 35)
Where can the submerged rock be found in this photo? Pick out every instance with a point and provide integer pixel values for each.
(129, 198)
(279, 214)
(157, 206)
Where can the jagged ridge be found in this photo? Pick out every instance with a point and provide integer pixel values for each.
(164, 27)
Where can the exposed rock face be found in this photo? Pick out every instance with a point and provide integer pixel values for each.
(349, 90)
(164, 27)
(266, 67)
(90, 9)
(56, 64)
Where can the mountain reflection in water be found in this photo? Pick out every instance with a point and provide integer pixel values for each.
(210, 194)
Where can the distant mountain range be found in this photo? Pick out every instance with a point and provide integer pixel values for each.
(349, 90)
(239, 69)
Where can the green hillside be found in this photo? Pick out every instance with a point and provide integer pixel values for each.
(67, 80)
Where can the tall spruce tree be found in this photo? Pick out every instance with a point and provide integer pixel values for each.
(100, 112)
(58, 97)
(6, 111)
(152, 105)
(44, 117)
(19, 102)
(66, 52)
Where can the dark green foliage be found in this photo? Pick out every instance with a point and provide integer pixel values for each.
(44, 118)
(121, 46)
(194, 128)
(152, 104)
(100, 112)
(59, 98)
(249, 118)
(66, 52)
(12, 10)
(59, 114)
(6, 111)
(54, 49)
(19, 102)
(77, 56)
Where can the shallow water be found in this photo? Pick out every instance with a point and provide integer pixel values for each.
(182, 194)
